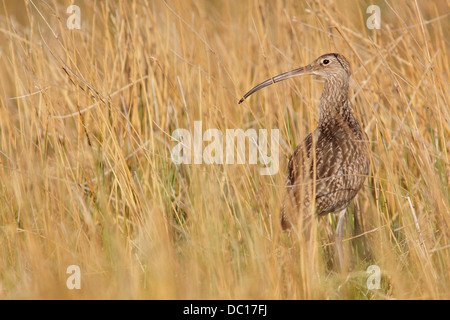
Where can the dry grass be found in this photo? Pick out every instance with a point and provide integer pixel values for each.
(86, 175)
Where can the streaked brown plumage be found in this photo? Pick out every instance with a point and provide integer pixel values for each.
(341, 160)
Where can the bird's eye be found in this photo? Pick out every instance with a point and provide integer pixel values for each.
(326, 61)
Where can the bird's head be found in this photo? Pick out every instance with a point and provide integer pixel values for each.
(326, 66)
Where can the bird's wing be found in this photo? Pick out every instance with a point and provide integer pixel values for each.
(331, 156)
(328, 164)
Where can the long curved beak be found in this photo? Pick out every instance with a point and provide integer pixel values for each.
(278, 78)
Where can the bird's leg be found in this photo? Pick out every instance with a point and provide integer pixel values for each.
(338, 238)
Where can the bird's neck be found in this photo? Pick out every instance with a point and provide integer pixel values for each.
(334, 100)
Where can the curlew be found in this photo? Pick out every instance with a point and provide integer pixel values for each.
(327, 180)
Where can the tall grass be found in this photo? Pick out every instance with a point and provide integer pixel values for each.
(86, 175)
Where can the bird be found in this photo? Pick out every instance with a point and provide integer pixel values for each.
(330, 177)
